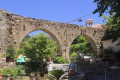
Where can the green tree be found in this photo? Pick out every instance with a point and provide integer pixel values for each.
(38, 47)
(11, 52)
(112, 29)
(80, 44)
(59, 60)
(26, 38)
(109, 6)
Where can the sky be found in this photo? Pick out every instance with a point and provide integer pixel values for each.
(54, 10)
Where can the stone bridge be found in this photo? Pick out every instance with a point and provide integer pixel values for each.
(13, 28)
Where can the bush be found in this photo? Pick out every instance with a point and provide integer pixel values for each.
(57, 73)
(11, 52)
(15, 71)
(6, 72)
(75, 57)
(0, 71)
(59, 60)
(67, 61)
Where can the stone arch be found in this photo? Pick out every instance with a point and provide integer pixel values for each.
(90, 40)
(62, 33)
(44, 30)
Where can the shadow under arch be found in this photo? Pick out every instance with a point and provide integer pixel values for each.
(46, 31)
(90, 40)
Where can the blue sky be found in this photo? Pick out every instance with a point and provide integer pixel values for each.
(53, 10)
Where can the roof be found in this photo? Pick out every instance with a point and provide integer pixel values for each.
(97, 26)
(90, 20)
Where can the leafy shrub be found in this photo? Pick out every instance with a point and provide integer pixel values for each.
(74, 55)
(0, 71)
(57, 73)
(59, 60)
(11, 52)
(6, 72)
(15, 71)
(67, 61)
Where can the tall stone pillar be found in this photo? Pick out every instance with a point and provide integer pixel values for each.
(64, 43)
(3, 32)
(65, 52)
(98, 46)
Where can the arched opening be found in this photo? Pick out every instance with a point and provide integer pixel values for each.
(36, 48)
(82, 44)
(84, 47)
(81, 51)
(46, 32)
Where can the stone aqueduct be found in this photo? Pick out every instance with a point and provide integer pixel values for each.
(13, 28)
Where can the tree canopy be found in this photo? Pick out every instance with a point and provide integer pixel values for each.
(112, 29)
(113, 8)
(80, 44)
(108, 6)
(38, 47)
(26, 38)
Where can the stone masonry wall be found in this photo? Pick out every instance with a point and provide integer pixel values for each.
(13, 28)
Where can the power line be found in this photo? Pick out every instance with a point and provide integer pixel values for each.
(79, 19)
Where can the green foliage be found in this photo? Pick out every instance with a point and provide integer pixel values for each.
(22, 71)
(80, 44)
(15, 71)
(6, 72)
(18, 70)
(113, 22)
(11, 52)
(75, 56)
(0, 71)
(109, 6)
(79, 39)
(59, 60)
(29, 67)
(112, 29)
(67, 61)
(57, 73)
(26, 38)
(110, 22)
(38, 47)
